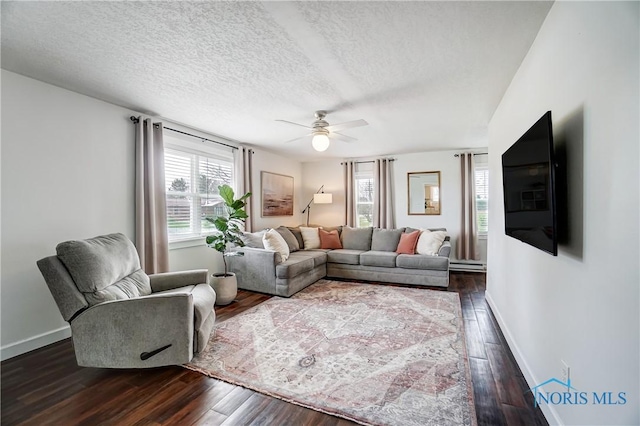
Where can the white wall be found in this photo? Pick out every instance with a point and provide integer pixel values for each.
(269, 162)
(330, 174)
(67, 173)
(583, 305)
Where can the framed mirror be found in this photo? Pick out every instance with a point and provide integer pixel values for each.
(424, 193)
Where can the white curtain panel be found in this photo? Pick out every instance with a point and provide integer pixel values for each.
(152, 240)
(467, 248)
(243, 159)
(349, 168)
(383, 205)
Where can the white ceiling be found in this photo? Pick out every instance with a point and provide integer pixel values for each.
(425, 75)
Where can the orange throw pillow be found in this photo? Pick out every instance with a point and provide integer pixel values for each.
(330, 239)
(408, 243)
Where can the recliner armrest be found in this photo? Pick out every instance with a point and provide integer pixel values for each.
(170, 280)
(115, 334)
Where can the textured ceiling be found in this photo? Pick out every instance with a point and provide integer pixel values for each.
(425, 75)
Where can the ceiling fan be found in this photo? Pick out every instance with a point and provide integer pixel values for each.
(321, 131)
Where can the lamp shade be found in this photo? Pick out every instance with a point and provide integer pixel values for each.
(320, 142)
(322, 198)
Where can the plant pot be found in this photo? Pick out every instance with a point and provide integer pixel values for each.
(225, 286)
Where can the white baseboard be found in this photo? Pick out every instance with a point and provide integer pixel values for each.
(35, 342)
(464, 266)
(549, 412)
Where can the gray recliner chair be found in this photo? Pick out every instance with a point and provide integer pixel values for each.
(121, 317)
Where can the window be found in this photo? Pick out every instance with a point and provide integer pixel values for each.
(482, 195)
(364, 195)
(192, 179)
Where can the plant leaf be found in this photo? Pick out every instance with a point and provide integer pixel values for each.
(226, 193)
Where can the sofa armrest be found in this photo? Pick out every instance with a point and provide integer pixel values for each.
(170, 280)
(115, 334)
(255, 269)
(250, 254)
(445, 249)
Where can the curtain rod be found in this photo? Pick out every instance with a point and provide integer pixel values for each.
(475, 153)
(371, 161)
(135, 120)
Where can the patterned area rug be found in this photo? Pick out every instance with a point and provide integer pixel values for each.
(373, 354)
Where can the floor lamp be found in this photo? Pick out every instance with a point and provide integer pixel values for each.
(318, 198)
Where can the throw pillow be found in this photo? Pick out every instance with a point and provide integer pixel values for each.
(253, 240)
(310, 237)
(356, 238)
(331, 228)
(329, 239)
(289, 238)
(273, 241)
(296, 233)
(385, 239)
(430, 242)
(408, 243)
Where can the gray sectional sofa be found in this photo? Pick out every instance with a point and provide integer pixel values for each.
(367, 254)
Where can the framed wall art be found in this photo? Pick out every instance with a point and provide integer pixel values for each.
(277, 194)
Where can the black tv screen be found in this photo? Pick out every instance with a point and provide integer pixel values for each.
(528, 173)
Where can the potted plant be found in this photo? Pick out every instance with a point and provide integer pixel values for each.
(228, 231)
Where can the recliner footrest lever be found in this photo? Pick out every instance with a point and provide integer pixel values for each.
(146, 355)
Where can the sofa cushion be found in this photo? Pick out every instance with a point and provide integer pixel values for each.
(272, 240)
(311, 237)
(415, 261)
(385, 239)
(329, 239)
(253, 239)
(350, 257)
(356, 238)
(105, 268)
(408, 243)
(288, 236)
(294, 266)
(319, 256)
(429, 242)
(386, 259)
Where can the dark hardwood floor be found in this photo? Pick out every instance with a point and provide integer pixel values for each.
(46, 387)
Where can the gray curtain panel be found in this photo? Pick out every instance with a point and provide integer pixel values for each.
(243, 159)
(152, 240)
(468, 241)
(383, 215)
(349, 168)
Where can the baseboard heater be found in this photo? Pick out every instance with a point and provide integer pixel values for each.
(467, 266)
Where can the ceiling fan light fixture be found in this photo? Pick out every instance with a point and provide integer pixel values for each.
(320, 142)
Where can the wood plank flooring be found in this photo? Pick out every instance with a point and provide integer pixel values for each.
(46, 387)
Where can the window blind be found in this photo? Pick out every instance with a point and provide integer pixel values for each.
(192, 181)
(482, 198)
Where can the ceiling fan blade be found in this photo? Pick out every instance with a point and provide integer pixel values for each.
(346, 125)
(341, 137)
(299, 138)
(295, 124)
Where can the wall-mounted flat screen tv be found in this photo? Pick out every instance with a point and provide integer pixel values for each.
(528, 173)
